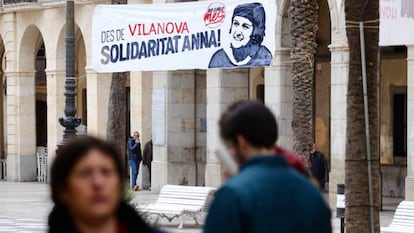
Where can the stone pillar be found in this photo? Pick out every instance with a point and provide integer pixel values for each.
(55, 110)
(3, 123)
(339, 85)
(201, 125)
(409, 180)
(279, 95)
(173, 129)
(223, 88)
(141, 115)
(97, 91)
(141, 104)
(21, 128)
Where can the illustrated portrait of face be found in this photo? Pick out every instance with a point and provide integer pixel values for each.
(241, 30)
(247, 30)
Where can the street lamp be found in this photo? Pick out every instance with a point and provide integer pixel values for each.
(70, 121)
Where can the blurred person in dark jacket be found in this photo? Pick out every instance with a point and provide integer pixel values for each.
(87, 190)
(134, 158)
(319, 166)
(147, 157)
(267, 195)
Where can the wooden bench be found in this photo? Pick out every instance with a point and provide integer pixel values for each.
(176, 201)
(403, 221)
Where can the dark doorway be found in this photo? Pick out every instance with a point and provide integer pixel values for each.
(84, 107)
(399, 134)
(41, 123)
(41, 96)
(41, 66)
(260, 93)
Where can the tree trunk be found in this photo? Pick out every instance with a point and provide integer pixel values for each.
(356, 171)
(304, 26)
(116, 127)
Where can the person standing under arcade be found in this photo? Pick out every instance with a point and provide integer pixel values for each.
(134, 158)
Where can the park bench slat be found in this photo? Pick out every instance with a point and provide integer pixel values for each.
(403, 221)
(176, 201)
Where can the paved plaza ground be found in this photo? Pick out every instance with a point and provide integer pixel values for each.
(24, 207)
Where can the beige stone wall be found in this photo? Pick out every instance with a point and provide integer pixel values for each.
(223, 88)
(393, 74)
(201, 125)
(174, 160)
(279, 95)
(98, 87)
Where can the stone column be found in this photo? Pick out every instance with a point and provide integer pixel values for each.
(409, 180)
(55, 110)
(339, 85)
(141, 115)
(279, 95)
(97, 91)
(21, 128)
(141, 104)
(173, 128)
(223, 88)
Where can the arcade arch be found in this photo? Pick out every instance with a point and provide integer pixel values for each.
(80, 72)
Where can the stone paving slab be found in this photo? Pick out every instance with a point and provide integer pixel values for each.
(24, 207)
(21, 225)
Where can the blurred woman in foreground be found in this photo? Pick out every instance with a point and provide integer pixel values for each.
(87, 190)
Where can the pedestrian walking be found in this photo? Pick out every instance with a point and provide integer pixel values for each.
(134, 158)
(147, 157)
(267, 195)
(87, 190)
(319, 166)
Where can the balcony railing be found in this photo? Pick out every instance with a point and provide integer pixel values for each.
(8, 2)
(13, 5)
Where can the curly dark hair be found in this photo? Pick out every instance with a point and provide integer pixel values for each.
(251, 119)
(67, 156)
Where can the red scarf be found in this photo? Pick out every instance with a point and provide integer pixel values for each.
(293, 160)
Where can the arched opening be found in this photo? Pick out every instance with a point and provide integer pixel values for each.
(80, 73)
(322, 81)
(256, 84)
(27, 116)
(393, 104)
(41, 97)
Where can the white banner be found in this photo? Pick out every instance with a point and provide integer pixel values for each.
(396, 22)
(193, 35)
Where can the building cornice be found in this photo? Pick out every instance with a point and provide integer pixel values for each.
(44, 4)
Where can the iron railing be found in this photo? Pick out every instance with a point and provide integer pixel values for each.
(7, 2)
(28, 4)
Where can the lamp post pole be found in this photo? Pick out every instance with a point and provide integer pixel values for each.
(70, 121)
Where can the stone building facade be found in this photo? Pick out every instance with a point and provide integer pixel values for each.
(32, 48)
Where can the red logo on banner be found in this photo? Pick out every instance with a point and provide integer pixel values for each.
(215, 15)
